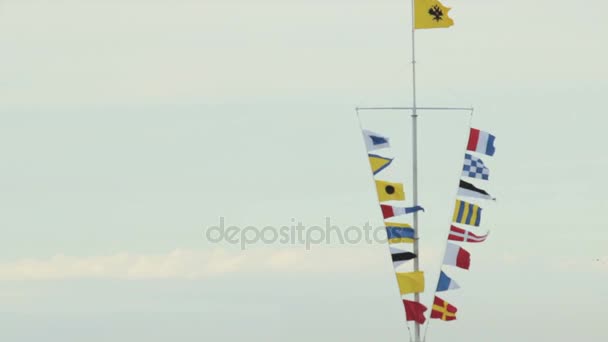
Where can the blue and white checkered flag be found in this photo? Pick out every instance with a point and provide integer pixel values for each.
(473, 167)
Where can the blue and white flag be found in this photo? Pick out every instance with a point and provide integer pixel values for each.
(474, 167)
(446, 283)
(374, 141)
(481, 142)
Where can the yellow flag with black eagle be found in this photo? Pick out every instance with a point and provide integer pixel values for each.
(430, 14)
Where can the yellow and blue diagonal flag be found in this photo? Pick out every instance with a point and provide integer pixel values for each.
(399, 233)
(378, 163)
(429, 14)
(467, 213)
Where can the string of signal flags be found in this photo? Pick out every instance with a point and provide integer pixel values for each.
(465, 214)
(401, 235)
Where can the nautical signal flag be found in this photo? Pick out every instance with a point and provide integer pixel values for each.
(429, 14)
(457, 256)
(463, 235)
(467, 189)
(378, 163)
(410, 282)
(443, 310)
(405, 256)
(389, 191)
(481, 142)
(375, 141)
(390, 211)
(400, 256)
(400, 233)
(474, 167)
(446, 283)
(467, 213)
(414, 311)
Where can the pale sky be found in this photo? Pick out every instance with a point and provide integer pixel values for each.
(127, 128)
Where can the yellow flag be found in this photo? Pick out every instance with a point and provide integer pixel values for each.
(378, 163)
(388, 191)
(411, 282)
(431, 14)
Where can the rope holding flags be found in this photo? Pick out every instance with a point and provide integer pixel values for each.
(400, 235)
(465, 213)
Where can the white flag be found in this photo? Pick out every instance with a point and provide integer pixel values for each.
(375, 141)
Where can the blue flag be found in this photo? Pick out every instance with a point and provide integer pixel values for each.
(446, 283)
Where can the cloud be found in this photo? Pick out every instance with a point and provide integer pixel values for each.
(191, 264)
(219, 262)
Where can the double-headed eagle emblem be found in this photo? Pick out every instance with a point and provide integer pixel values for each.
(436, 12)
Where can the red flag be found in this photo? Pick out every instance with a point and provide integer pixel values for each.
(414, 311)
(457, 256)
(387, 211)
(443, 310)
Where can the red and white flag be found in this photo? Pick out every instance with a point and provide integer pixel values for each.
(481, 142)
(463, 235)
(390, 211)
(457, 256)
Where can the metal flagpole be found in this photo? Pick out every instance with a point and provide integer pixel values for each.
(414, 115)
(415, 163)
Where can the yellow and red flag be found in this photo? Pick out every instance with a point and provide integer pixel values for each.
(443, 310)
